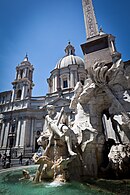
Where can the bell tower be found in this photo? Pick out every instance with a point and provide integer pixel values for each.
(99, 46)
(23, 84)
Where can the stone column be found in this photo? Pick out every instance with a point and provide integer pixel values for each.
(25, 73)
(28, 132)
(68, 80)
(32, 128)
(12, 98)
(58, 80)
(22, 135)
(55, 82)
(73, 75)
(19, 75)
(72, 79)
(26, 91)
(6, 135)
(18, 134)
(23, 92)
(2, 135)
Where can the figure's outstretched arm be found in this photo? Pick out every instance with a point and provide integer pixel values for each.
(53, 127)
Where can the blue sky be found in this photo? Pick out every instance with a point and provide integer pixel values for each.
(43, 28)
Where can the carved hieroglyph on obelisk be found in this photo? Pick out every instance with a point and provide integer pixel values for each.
(90, 19)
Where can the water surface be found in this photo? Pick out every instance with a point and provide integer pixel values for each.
(11, 185)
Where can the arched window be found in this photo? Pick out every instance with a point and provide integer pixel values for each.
(21, 74)
(30, 75)
(19, 93)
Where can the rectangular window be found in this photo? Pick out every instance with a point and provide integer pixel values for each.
(65, 84)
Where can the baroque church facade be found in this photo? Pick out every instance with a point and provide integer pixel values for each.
(22, 116)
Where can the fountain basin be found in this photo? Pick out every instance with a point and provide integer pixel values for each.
(11, 184)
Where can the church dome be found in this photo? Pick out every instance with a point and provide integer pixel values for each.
(70, 58)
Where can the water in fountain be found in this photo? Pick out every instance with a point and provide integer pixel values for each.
(10, 184)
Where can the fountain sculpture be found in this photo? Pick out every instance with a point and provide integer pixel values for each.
(80, 150)
(96, 144)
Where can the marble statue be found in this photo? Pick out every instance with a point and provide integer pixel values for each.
(56, 123)
(96, 98)
(56, 134)
(82, 118)
(96, 104)
(119, 160)
(48, 169)
(26, 175)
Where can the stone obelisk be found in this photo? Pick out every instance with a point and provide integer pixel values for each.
(90, 19)
(99, 45)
